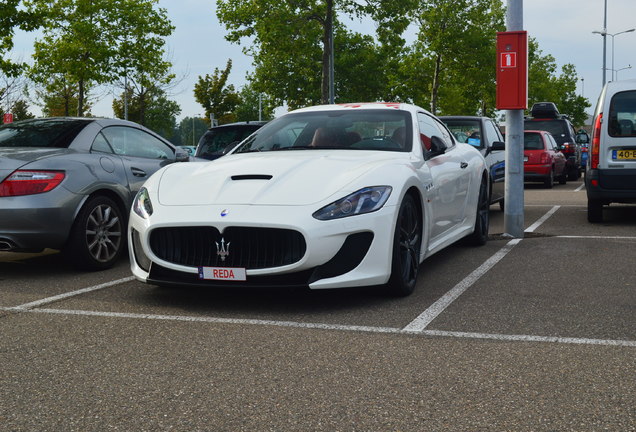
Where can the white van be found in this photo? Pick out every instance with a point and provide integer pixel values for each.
(610, 174)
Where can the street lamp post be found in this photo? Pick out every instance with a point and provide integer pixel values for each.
(618, 70)
(613, 35)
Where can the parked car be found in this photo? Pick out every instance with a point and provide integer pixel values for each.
(68, 183)
(545, 116)
(219, 140)
(610, 175)
(326, 197)
(542, 160)
(483, 134)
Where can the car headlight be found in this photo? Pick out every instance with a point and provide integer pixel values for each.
(142, 205)
(365, 200)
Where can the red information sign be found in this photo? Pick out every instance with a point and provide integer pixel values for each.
(7, 118)
(512, 70)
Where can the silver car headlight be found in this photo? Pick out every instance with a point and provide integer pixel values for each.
(142, 205)
(365, 200)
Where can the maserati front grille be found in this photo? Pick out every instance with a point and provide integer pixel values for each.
(246, 247)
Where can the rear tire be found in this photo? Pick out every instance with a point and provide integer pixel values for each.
(96, 240)
(594, 211)
(407, 240)
(549, 180)
(479, 237)
(563, 178)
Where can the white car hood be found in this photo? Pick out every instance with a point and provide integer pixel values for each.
(297, 177)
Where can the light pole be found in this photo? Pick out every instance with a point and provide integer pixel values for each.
(613, 35)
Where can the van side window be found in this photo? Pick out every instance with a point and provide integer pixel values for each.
(622, 114)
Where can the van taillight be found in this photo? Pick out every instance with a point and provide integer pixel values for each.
(596, 142)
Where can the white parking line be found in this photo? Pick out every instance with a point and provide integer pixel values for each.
(542, 219)
(338, 327)
(425, 318)
(580, 188)
(48, 300)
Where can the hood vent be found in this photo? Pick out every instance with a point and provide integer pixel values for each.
(252, 177)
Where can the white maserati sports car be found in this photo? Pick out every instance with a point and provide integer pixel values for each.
(330, 196)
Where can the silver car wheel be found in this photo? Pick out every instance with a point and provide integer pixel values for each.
(103, 233)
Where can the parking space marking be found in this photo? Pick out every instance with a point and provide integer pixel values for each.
(425, 318)
(338, 327)
(542, 219)
(580, 188)
(38, 303)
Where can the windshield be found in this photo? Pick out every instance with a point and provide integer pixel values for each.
(372, 129)
(52, 133)
(465, 131)
(557, 128)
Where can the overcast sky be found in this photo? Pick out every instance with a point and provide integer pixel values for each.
(563, 29)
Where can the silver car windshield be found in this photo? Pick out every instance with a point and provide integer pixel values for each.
(360, 129)
(50, 133)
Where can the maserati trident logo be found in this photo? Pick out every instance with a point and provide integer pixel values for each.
(223, 250)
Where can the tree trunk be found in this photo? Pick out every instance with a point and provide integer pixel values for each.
(80, 99)
(326, 53)
(435, 89)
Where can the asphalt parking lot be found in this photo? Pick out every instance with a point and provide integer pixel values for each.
(533, 334)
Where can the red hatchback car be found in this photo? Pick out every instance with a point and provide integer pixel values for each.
(543, 162)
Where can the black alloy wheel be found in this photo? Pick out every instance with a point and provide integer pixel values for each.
(479, 236)
(96, 240)
(407, 241)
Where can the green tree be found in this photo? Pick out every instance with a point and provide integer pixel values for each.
(59, 96)
(454, 55)
(157, 111)
(290, 40)
(191, 129)
(250, 101)
(93, 42)
(20, 110)
(12, 17)
(216, 96)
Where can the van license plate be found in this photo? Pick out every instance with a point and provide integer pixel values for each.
(624, 154)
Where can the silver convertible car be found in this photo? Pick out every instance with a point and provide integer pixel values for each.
(68, 183)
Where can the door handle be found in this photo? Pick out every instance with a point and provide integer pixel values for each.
(138, 172)
(463, 165)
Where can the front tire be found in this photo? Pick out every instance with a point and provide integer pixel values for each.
(96, 239)
(407, 240)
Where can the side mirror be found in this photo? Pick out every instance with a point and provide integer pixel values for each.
(496, 146)
(181, 155)
(582, 138)
(438, 146)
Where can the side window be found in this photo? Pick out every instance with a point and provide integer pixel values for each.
(622, 114)
(492, 132)
(101, 145)
(127, 141)
(429, 127)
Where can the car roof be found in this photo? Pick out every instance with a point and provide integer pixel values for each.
(616, 86)
(463, 117)
(361, 105)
